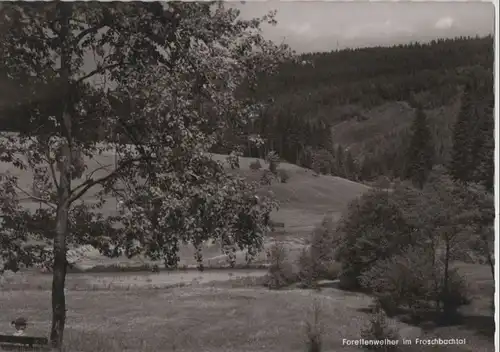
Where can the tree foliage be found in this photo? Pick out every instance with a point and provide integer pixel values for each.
(165, 78)
(414, 280)
(443, 222)
(373, 228)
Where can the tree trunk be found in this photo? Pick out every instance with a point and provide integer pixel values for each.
(436, 275)
(492, 265)
(487, 250)
(446, 278)
(59, 272)
(489, 258)
(60, 262)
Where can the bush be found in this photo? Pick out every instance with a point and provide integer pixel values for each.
(233, 160)
(324, 240)
(403, 280)
(307, 275)
(283, 175)
(372, 229)
(415, 281)
(317, 262)
(267, 178)
(314, 330)
(256, 165)
(311, 270)
(273, 160)
(382, 182)
(321, 161)
(378, 330)
(454, 297)
(280, 272)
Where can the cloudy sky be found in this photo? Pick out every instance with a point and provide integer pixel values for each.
(324, 26)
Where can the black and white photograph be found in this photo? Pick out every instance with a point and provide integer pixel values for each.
(247, 176)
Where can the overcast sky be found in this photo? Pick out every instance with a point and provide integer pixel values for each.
(324, 26)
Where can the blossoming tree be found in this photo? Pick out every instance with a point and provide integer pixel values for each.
(167, 77)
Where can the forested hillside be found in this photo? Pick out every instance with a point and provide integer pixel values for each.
(352, 109)
(349, 112)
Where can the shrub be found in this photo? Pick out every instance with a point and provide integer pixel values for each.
(378, 330)
(324, 240)
(402, 280)
(256, 165)
(316, 262)
(314, 330)
(455, 296)
(416, 281)
(267, 178)
(307, 274)
(233, 160)
(372, 229)
(382, 182)
(321, 161)
(280, 272)
(311, 271)
(284, 176)
(273, 160)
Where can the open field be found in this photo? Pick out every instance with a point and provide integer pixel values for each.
(190, 319)
(223, 311)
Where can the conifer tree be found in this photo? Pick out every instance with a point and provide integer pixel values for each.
(339, 161)
(483, 142)
(472, 155)
(350, 166)
(460, 166)
(420, 153)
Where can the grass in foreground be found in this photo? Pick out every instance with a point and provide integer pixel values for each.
(235, 316)
(188, 319)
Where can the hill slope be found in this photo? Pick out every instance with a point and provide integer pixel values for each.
(367, 97)
(304, 199)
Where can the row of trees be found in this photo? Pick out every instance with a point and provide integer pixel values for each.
(401, 245)
(473, 144)
(462, 141)
(172, 71)
(370, 76)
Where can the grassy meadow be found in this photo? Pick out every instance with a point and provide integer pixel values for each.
(304, 201)
(232, 313)
(224, 310)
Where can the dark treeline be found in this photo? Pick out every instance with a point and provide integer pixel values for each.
(371, 76)
(323, 90)
(308, 99)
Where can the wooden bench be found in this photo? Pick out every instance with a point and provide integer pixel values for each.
(11, 342)
(277, 224)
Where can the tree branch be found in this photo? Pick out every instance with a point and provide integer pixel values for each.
(51, 164)
(89, 183)
(38, 199)
(53, 174)
(99, 70)
(52, 26)
(87, 31)
(102, 167)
